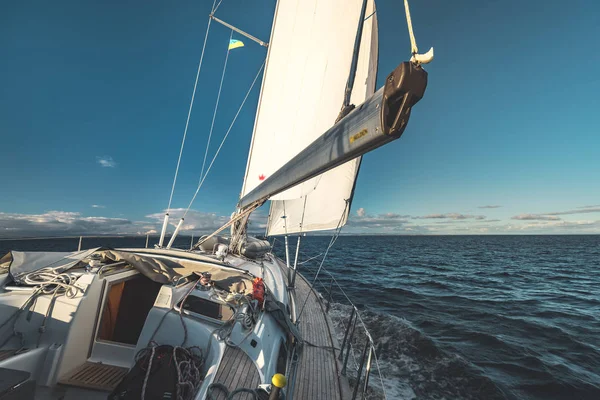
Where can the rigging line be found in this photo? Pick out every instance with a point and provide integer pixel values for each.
(331, 243)
(233, 220)
(217, 7)
(212, 124)
(362, 322)
(379, 373)
(187, 122)
(413, 41)
(225, 137)
(284, 219)
(373, 13)
(310, 259)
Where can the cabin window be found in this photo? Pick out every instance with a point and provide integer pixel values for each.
(207, 308)
(126, 306)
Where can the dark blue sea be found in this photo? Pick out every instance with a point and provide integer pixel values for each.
(458, 317)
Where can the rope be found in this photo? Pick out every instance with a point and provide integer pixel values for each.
(245, 319)
(182, 301)
(229, 395)
(15, 316)
(185, 332)
(187, 122)
(51, 282)
(231, 221)
(224, 138)
(187, 364)
(362, 322)
(310, 259)
(152, 350)
(416, 58)
(42, 328)
(214, 117)
(46, 281)
(379, 373)
(413, 42)
(217, 7)
(331, 243)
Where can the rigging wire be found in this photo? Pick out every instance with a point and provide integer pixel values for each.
(362, 322)
(187, 122)
(214, 117)
(203, 177)
(217, 7)
(225, 138)
(334, 238)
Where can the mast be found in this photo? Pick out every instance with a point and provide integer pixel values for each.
(346, 108)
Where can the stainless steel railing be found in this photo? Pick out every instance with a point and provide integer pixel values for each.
(357, 342)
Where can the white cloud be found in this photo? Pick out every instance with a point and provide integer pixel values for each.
(489, 206)
(581, 210)
(553, 216)
(206, 222)
(381, 223)
(97, 206)
(536, 217)
(54, 223)
(454, 216)
(194, 220)
(106, 161)
(69, 223)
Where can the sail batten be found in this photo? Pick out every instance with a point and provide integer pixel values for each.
(310, 55)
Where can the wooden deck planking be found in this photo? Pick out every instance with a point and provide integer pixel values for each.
(236, 370)
(317, 369)
(95, 376)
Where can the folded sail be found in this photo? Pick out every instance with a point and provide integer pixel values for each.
(308, 64)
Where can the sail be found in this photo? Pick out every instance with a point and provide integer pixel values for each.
(309, 59)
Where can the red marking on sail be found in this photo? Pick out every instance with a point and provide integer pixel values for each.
(261, 177)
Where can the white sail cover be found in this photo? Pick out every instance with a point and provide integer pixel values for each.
(309, 59)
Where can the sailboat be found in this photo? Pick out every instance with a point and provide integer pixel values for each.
(227, 318)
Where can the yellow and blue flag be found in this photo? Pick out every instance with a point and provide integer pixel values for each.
(234, 44)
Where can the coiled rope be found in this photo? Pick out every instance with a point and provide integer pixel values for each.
(51, 282)
(46, 281)
(188, 363)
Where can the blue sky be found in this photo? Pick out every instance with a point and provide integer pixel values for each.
(95, 95)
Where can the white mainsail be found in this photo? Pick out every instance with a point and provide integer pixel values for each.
(310, 52)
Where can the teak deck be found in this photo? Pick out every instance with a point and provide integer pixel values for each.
(317, 369)
(236, 371)
(317, 373)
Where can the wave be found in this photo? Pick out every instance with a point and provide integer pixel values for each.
(413, 364)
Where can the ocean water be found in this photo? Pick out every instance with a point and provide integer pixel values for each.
(457, 317)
